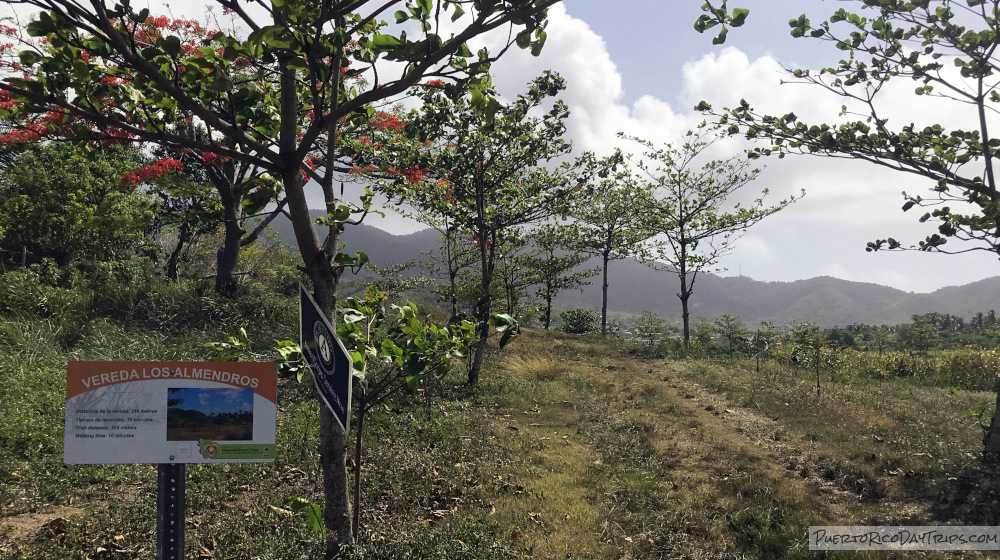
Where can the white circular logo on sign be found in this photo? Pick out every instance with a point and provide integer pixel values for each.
(324, 344)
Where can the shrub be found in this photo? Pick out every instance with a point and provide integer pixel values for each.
(579, 321)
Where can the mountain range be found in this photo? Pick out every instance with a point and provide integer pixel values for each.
(635, 287)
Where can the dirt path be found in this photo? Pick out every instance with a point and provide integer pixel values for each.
(22, 526)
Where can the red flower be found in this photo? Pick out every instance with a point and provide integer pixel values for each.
(151, 172)
(208, 158)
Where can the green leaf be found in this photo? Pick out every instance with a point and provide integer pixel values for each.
(536, 47)
(721, 37)
(401, 16)
(385, 41)
(314, 514)
(29, 58)
(739, 16)
(40, 27)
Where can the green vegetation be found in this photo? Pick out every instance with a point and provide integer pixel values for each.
(573, 445)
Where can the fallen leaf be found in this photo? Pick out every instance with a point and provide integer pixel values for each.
(56, 527)
(119, 537)
(515, 535)
(282, 511)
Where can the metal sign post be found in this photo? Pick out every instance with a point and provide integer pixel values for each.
(170, 478)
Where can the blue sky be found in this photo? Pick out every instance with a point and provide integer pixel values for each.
(215, 401)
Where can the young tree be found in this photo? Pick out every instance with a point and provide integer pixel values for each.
(949, 50)
(274, 99)
(514, 270)
(731, 328)
(649, 327)
(486, 167)
(554, 264)
(455, 255)
(687, 208)
(608, 223)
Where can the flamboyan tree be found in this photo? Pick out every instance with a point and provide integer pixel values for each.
(273, 97)
(947, 51)
(482, 165)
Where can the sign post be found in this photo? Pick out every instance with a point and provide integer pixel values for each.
(327, 357)
(170, 414)
(170, 485)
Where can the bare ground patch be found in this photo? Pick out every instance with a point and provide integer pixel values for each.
(21, 526)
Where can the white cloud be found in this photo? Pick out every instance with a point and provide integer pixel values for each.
(848, 203)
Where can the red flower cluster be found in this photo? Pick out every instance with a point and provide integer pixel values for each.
(362, 170)
(411, 174)
(6, 102)
(31, 133)
(385, 121)
(448, 196)
(208, 158)
(151, 172)
(435, 83)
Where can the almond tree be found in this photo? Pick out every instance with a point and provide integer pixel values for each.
(272, 97)
(608, 224)
(687, 209)
(481, 164)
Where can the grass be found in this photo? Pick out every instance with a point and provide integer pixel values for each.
(569, 448)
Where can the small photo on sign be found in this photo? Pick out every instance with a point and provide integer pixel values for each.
(217, 414)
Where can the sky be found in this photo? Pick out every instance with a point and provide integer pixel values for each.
(639, 67)
(215, 401)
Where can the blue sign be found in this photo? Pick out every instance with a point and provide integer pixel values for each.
(326, 356)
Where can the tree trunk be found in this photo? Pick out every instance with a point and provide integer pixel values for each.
(604, 296)
(317, 263)
(183, 236)
(548, 304)
(333, 460)
(483, 308)
(227, 258)
(228, 255)
(452, 278)
(991, 441)
(685, 295)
